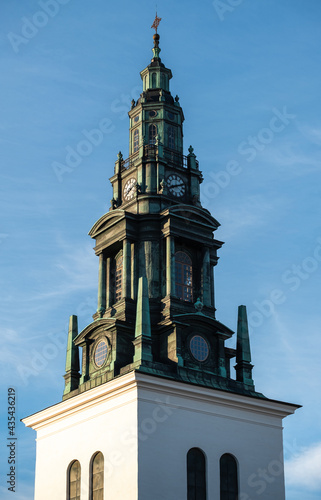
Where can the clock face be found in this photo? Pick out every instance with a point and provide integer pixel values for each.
(130, 189)
(176, 185)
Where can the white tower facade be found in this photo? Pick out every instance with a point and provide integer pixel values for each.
(144, 426)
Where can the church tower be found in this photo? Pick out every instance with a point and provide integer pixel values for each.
(154, 410)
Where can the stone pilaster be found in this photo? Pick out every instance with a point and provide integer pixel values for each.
(102, 285)
(170, 266)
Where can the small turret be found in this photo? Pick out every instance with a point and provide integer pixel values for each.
(156, 75)
(143, 334)
(72, 359)
(243, 351)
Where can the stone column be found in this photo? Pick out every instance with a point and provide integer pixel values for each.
(206, 285)
(212, 285)
(85, 363)
(102, 285)
(170, 266)
(108, 290)
(126, 269)
(133, 286)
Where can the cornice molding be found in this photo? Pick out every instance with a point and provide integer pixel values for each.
(135, 381)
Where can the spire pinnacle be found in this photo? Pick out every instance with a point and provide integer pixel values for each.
(156, 49)
(143, 334)
(243, 351)
(72, 359)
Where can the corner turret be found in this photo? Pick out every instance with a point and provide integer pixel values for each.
(72, 375)
(243, 351)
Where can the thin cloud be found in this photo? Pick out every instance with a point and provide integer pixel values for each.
(254, 213)
(311, 133)
(303, 471)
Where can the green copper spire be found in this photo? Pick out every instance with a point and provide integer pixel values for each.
(72, 359)
(143, 334)
(243, 351)
(152, 317)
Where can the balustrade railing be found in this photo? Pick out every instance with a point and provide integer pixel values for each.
(174, 158)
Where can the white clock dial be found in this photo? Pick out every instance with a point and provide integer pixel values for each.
(130, 189)
(176, 185)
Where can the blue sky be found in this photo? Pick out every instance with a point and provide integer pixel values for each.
(248, 75)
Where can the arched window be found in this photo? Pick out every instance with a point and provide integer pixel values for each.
(73, 481)
(228, 478)
(152, 134)
(183, 276)
(97, 477)
(136, 140)
(118, 278)
(154, 76)
(196, 475)
(171, 137)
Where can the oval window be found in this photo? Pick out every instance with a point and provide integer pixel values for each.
(199, 348)
(101, 352)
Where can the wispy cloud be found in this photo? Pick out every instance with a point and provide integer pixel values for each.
(303, 471)
(254, 212)
(311, 132)
(289, 155)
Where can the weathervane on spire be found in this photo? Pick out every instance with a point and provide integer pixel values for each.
(156, 22)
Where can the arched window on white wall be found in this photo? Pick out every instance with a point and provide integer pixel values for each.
(196, 475)
(97, 477)
(228, 478)
(73, 481)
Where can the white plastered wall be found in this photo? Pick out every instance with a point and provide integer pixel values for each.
(145, 425)
(107, 424)
(218, 423)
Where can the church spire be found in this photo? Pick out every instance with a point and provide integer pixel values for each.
(157, 252)
(243, 351)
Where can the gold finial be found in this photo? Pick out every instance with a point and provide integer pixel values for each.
(156, 22)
